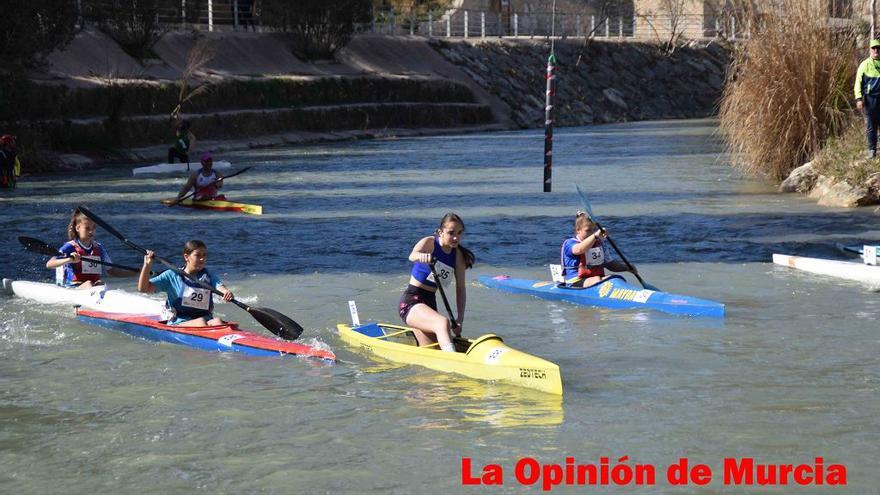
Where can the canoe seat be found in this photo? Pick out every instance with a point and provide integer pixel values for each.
(371, 330)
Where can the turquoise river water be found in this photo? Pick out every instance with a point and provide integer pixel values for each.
(792, 372)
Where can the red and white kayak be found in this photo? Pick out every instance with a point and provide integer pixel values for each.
(217, 205)
(223, 338)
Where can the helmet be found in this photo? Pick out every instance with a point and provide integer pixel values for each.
(7, 140)
(207, 157)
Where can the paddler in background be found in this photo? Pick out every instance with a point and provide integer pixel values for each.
(193, 306)
(206, 181)
(418, 304)
(72, 267)
(184, 140)
(585, 256)
(10, 167)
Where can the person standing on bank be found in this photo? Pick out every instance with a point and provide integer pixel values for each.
(867, 91)
(10, 168)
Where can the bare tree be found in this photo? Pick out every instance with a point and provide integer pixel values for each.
(199, 55)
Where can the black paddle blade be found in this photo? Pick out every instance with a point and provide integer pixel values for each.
(37, 246)
(277, 323)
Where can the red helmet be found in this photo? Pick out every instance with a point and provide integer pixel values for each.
(7, 140)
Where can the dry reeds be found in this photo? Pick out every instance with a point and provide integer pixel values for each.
(789, 89)
(198, 57)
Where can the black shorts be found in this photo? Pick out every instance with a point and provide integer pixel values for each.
(415, 295)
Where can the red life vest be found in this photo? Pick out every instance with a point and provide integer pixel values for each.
(78, 276)
(587, 271)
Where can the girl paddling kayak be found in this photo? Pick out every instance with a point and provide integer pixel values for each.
(192, 305)
(73, 267)
(206, 181)
(418, 304)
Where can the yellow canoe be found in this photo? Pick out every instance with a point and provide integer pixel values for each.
(485, 358)
(219, 205)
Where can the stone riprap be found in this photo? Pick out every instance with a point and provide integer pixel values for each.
(597, 81)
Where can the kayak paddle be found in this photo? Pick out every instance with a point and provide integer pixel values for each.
(589, 211)
(272, 320)
(175, 202)
(38, 246)
(452, 320)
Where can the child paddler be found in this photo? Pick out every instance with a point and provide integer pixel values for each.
(206, 181)
(585, 257)
(73, 267)
(193, 305)
(418, 304)
(184, 141)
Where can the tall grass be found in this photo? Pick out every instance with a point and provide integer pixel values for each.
(789, 88)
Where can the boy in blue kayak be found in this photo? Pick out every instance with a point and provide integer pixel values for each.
(193, 305)
(585, 257)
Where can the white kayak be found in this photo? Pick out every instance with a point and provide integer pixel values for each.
(833, 268)
(98, 298)
(168, 168)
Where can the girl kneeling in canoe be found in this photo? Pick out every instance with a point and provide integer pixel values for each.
(72, 266)
(418, 304)
(585, 257)
(192, 305)
(206, 181)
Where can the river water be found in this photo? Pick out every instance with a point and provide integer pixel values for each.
(792, 373)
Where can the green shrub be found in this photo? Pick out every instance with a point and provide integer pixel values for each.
(843, 156)
(133, 24)
(316, 28)
(32, 29)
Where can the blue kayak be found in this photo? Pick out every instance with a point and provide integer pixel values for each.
(613, 292)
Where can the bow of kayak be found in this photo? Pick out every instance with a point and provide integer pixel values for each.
(224, 338)
(860, 272)
(100, 298)
(484, 358)
(613, 292)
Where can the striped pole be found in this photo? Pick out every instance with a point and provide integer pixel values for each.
(548, 122)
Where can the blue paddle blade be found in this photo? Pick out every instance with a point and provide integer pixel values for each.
(586, 204)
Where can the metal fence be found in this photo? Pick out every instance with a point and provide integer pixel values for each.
(242, 15)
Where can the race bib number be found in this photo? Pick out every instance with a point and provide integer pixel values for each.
(196, 298)
(445, 272)
(596, 256)
(89, 267)
(869, 254)
(556, 274)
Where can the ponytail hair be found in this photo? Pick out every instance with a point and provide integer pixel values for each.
(468, 255)
(581, 221)
(75, 219)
